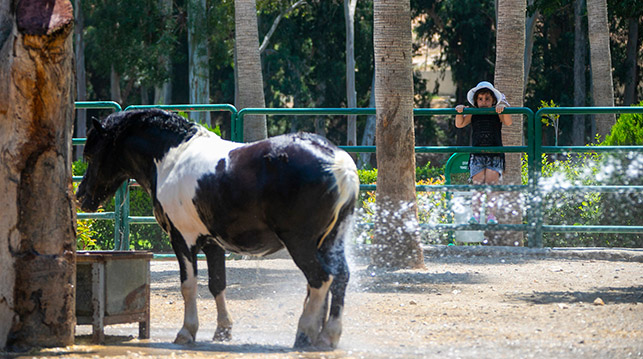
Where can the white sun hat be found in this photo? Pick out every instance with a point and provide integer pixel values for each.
(484, 84)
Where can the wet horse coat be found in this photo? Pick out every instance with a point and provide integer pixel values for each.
(295, 191)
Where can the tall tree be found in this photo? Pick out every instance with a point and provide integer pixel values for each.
(601, 61)
(249, 78)
(351, 96)
(509, 72)
(396, 237)
(530, 28)
(81, 80)
(580, 83)
(198, 58)
(631, 79)
(37, 225)
(163, 91)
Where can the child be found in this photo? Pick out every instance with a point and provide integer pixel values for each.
(485, 168)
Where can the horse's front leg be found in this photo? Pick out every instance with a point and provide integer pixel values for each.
(188, 270)
(217, 283)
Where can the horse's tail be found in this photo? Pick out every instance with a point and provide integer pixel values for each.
(346, 184)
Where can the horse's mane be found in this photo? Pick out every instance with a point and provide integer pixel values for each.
(127, 121)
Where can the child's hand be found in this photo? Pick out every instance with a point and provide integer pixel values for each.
(500, 107)
(460, 108)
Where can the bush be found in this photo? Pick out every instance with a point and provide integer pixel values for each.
(628, 130)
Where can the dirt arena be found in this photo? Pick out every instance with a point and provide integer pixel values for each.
(470, 302)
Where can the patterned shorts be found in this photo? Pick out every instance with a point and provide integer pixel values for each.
(492, 161)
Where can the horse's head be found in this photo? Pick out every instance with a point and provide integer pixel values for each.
(105, 171)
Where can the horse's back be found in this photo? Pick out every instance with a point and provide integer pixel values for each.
(268, 190)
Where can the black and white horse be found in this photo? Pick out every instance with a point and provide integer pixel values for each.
(295, 191)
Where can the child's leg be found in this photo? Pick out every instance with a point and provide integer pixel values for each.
(491, 177)
(478, 178)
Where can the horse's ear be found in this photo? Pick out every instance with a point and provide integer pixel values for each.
(98, 126)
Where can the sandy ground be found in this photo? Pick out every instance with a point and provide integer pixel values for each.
(467, 303)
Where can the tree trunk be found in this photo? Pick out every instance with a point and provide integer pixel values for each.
(631, 79)
(115, 86)
(580, 84)
(600, 58)
(530, 28)
(509, 72)
(81, 82)
(248, 69)
(198, 58)
(396, 238)
(369, 130)
(351, 95)
(163, 93)
(37, 225)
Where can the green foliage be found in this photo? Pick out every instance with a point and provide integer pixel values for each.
(428, 172)
(464, 31)
(367, 176)
(131, 37)
(85, 235)
(628, 130)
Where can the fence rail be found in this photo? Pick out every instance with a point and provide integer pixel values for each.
(534, 226)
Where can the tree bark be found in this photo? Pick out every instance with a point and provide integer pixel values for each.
(530, 27)
(198, 59)
(351, 95)
(580, 83)
(81, 82)
(601, 61)
(115, 86)
(37, 225)
(248, 69)
(508, 78)
(396, 237)
(631, 79)
(369, 131)
(163, 93)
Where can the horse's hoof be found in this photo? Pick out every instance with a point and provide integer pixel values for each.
(222, 335)
(324, 342)
(303, 341)
(184, 338)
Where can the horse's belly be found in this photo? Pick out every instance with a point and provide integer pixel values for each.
(251, 242)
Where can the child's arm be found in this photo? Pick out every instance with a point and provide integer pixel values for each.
(504, 118)
(460, 119)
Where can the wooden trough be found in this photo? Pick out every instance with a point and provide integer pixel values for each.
(113, 287)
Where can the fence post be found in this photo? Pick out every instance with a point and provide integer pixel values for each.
(121, 216)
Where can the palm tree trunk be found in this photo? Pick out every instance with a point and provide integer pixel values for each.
(396, 238)
(81, 82)
(163, 93)
(600, 58)
(631, 79)
(351, 95)
(509, 79)
(369, 130)
(198, 58)
(248, 69)
(580, 84)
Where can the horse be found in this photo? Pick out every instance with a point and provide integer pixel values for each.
(296, 191)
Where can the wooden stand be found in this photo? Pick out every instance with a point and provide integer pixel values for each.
(113, 287)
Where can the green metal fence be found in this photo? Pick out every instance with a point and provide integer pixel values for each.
(532, 225)
(539, 150)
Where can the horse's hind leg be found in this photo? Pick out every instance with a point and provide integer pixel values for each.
(335, 261)
(217, 283)
(314, 313)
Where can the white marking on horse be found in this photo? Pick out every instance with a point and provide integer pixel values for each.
(177, 176)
